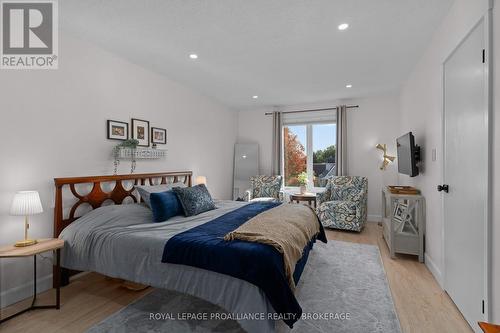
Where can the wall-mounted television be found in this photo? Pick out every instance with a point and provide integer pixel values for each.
(408, 155)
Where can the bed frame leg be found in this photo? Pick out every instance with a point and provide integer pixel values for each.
(64, 277)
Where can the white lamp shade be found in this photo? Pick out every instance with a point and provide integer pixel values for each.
(201, 180)
(26, 203)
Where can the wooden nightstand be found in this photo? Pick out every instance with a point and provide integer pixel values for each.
(43, 245)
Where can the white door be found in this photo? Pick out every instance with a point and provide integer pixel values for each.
(466, 174)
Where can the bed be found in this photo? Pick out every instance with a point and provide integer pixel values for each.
(121, 241)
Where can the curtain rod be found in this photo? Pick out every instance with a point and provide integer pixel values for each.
(311, 110)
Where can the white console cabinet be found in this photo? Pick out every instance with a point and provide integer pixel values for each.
(403, 221)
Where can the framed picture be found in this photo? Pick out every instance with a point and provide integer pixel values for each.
(159, 135)
(117, 130)
(140, 131)
(400, 211)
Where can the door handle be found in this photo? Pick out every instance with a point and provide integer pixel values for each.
(444, 188)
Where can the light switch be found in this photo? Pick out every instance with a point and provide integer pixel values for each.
(434, 154)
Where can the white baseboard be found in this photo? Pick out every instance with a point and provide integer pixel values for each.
(374, 218)
(19, 293)
(431, 265)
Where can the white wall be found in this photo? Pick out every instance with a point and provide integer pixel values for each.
(421, 109)
(255, 127)
(375, 121)
(53, 124)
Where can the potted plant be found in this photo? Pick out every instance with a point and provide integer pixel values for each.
(302, 180)
(130, 144)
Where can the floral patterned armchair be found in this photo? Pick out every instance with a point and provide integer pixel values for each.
(265, 188)
(343, 205)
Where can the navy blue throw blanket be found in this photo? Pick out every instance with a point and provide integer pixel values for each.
(260, 264)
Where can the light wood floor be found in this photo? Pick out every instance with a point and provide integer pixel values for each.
(420, 303)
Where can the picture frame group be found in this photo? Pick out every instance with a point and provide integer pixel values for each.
(139, 130)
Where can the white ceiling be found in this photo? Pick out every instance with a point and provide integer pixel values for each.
(285, 51)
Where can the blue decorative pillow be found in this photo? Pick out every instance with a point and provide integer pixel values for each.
(145, 190)
(194, 200)
(164, 205)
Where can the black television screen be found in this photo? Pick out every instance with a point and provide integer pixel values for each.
(408, 155)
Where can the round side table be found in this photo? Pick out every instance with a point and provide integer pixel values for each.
(310, 198)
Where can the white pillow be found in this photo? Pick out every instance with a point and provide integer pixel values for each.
(146, 190)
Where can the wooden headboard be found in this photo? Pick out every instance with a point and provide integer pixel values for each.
(97, 196)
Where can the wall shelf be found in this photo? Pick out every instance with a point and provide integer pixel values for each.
(141, 153)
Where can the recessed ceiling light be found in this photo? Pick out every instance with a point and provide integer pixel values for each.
(343, 26)
(348, 85)
(255, 96)
(193, 56)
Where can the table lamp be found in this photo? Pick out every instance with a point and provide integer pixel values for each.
(26, 203)
(201, 180)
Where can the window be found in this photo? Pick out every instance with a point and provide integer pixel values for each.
(309, 148)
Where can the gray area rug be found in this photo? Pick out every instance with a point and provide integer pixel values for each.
(342, 289)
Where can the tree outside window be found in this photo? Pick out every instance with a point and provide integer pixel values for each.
(295, 157)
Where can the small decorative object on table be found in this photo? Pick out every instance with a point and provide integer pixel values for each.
(140, 132)
(26, 203)
(43, 245)
(397, 189)
(302, 180)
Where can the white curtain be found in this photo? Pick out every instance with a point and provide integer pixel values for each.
(341, 155)
(277, 144)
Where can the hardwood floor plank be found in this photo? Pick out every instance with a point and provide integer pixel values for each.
(421, 305)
